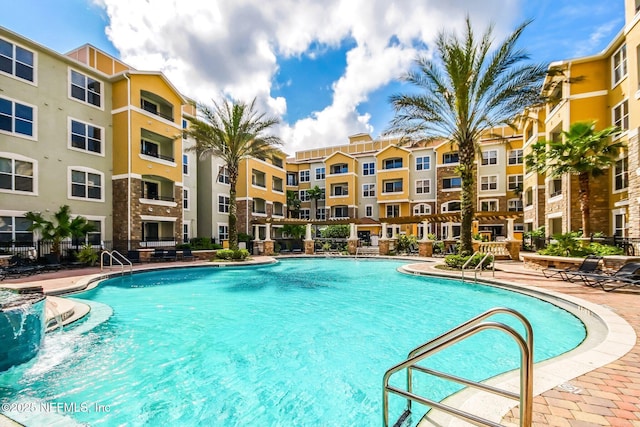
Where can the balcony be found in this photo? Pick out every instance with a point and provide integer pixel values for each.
(339, 169)
(157, 147)
(258, 179)
(156, 105)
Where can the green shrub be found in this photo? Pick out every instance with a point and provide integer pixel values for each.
(603, 250)
(216, 246)
(568, 245)
(405, 242)
(183, 246)
(458, 261)
(339, 231)
(240, 254)
(87, 255)
(224, 254)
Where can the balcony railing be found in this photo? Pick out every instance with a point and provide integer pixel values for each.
(157, 156)
(157, 197)
(152, 110)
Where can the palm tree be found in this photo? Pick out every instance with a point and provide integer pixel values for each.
(466, 89)
(581, 151)
(314, 194)
(233, 131)
(293, 204)
(63, 227)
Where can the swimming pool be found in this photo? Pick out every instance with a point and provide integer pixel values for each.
(299, 343)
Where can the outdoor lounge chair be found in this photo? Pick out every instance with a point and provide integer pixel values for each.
(187, 255)
(590, 264)
(52, 262)
(170, 255)
(133, 257)
(157, 255)
(627, 275)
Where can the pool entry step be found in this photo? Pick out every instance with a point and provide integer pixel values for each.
(455, 335)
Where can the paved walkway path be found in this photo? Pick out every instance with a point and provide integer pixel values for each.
(607, 396)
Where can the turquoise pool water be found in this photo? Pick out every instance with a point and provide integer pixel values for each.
(300, 343)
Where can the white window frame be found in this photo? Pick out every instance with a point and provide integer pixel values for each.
(421, 184)
(86, 125)
(624, 172)
(450, 187)
(321, 214)
(621, 109)
(369, 190)
(422, 209)
(393, 206)
(186, 200)
(393, 181)
(515, 157)
(368, 211)
(619, 67)
(445, 206)
(489, 202)
(515, 202)
(185, 164)
(186, 232)
(369, 168)
(520, 181)
(490, 158)
(254, 212)
(34, 178)
(303, 196)
(421, 161)
(11, 228)
(34, 121)
(321, 173)
(304, 213)
(491, 181)
(223, 203)
(15, 61)
(220, 235)
(86, 89)
(86, 171)
(223, 173)
(304, 175)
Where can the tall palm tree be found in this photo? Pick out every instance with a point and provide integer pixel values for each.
(293, 204)
(63, 227)
(233, 131)
(467, 88)
(581, 151)
(314, 194)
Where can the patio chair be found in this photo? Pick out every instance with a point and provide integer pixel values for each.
(170, 255)
(590, 264)
(134, 257)
(157, 255)
(187, 255)
(52, 262)
(627, 275)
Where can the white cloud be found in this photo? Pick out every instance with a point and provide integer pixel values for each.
(232, 46)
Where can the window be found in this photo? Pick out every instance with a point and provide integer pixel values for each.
(16, 175)
(423, 186)
(277, 162)
(515, 157)
(621, 115)
(278, 209)
(259, 206)
(258, 178)
(304, 196)
(340, 190)
(514, 205)
(322, 194)
(448, 158)
(150, 190)
(368, 190)
(422, 209)
(339, 168)
(185, 199)
(489, 206)
(86, 89)
(369, 168)
(490, 157)
(16, 118)
(621, 175)
(555, 187)
(528, 196)
(276, 184)
(304, 176)
(449, 183)
(223, 174)
(86, 137)
(185, 164)
(489, 182)
(515, 182)
(393, 211)
(341, 212)
(94, 237)
(185, 232)
(321, 214)
(453, 206)
(149, 148)
(85, 184)
(392, 163)
(619, 225)
(223, 232)
(368, 211)
(305, 214)
(223, 203)
(16, 61)
(619, 64)
(292, 179)
(184, 127)
(15, 229)
(320, 174)
(423, 163)
(394, 186)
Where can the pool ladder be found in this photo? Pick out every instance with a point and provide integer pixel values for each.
(478, 266)
(455, 335)
(117, 257)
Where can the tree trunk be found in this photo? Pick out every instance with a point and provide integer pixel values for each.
(233, 221)
(467, 196)
(583, 192)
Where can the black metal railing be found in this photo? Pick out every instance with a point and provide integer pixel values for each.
(157, 197)
(157, 156)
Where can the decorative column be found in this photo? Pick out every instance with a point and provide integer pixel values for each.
(383, 243)
(268, 243)
(267, 233)
(309, 247)
(352, 243)
(258, 245)
(425, 246)
(513, 245)
(510, 235)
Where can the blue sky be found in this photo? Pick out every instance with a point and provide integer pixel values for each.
(325, 68)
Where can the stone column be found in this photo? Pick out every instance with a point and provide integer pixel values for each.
(309, 247)
(267, 233)
(383, 246)
(352, 243)
(425, 248)
(268, 246)
(394, 231)
(384, 230)
(513, 246)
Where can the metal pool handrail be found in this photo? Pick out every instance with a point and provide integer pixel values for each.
(459, 333)
(113, 258)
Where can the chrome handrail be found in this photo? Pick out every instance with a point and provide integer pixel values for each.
(468, 262)
(459, 333)
(113, 258)
(481, 264)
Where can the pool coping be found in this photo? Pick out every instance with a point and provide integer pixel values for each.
(609, 337)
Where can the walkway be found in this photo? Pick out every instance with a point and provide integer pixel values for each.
(606, 396)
